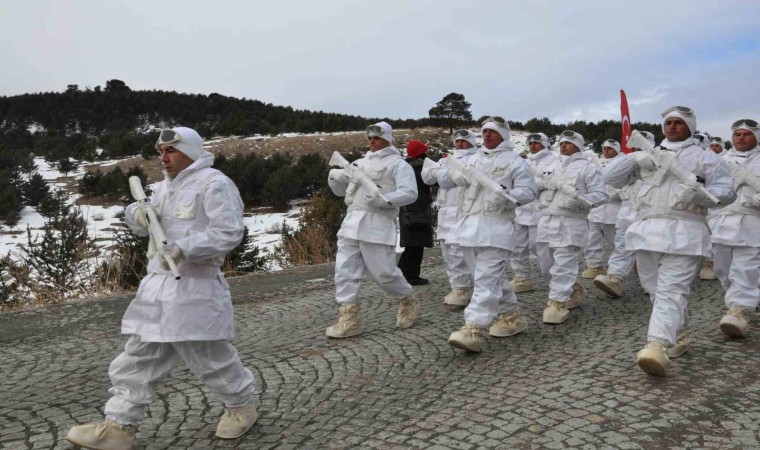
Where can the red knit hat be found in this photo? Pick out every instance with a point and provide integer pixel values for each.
(415, 148)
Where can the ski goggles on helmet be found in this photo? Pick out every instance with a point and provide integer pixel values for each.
(168, 137)
(569, 134)
(535, 137)
(462, 134)
(496, 119)
(647, 134)
(685, 110)
(716, 140)
(609, 143)
(374, 131)
(749, 123)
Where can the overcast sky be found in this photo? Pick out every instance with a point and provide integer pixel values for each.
(564, 60)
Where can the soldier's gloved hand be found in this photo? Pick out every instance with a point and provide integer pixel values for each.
(376, 201)
(552, 183)
(140, 218)
(458, 177)
(339, 175)
(688, 194)
(614, 194)
(573, 204)
(740, 174)
(497, 199)
(638, 140)
(540, 184)
(171, 251)
(645, 161)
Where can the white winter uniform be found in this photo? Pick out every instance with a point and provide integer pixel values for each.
(527, 216)
(621, 260)
(448, 214)
(602, 221)
(485, 230)
(564, 226)
(191, 318)
(670, 236)
(736, 238)
(367, 236)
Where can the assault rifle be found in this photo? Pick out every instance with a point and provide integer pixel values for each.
(356, 172)
(482, 179)
(154, 226)
(666, 164)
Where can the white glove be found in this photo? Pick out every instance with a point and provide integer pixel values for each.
(339, 175)
(553, 183)
(637, 140)
(499, 200)
(645, 161)
(540, 184)
(740, 174)
(688, 194)
(458, 177)
(172, 251)
(376, 201)
(573, 204)
(614, 194)
(140, 218)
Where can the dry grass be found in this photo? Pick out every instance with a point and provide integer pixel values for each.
(308, 246)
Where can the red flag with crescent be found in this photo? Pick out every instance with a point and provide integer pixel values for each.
(625, 119)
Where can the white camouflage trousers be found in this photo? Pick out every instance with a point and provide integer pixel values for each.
(621, 260)
(525, 236)
(564, 272)
(137, 371)
(598, 233)
(492, 293)
(357, 258)
(456, 267)
(738, 269)
(668, 279)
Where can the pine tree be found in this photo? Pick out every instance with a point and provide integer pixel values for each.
(66, 165)
(451, 111)
(35, 190)
(58, 259)
(245, 257)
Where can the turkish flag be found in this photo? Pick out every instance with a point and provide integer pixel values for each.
(625, 119)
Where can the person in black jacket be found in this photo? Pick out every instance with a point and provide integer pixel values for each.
(416, 219)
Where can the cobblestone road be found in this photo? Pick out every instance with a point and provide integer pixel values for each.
(575, 385)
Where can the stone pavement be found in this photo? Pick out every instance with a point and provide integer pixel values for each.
(575, 385)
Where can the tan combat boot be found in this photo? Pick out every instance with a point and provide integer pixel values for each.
(348, 323)
(468, 338)
(458, 296)
(520, 284)
(579, 294)
(106, 435)
(408, 310)
(612, 285)
(682, 344)
(653, 359)
(708, 271)
(556, 312)
(592, 272)
(735, 323)
(509, 324)
(235, 422)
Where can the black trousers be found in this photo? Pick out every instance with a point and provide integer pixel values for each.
(410, 262)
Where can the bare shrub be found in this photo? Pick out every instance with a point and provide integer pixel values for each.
(315, 240)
